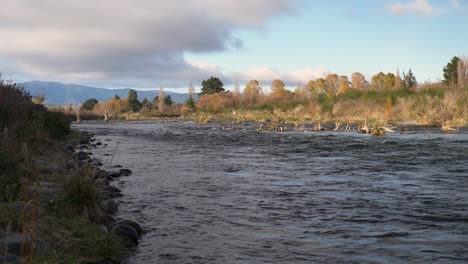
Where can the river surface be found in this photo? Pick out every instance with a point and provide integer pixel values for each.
(210, 195)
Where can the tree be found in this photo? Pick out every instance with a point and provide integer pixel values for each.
(161, 100)
(116, 97)
(133, 104)
(212, 85)
(378, 80)
(321, 85)
(89, 104)
(278, 91)
(409, 79)
(359, 81)
(251, 91)
(39, 98)
(389, 82)
(332, 83)
(450, 72)
(190, 102)
(311, 88)
(461, 72)
(145, 103)
(168, 100)
(343, 85)
(398, 80)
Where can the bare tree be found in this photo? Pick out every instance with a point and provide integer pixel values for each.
(191, 90)
(397, 80)
(161, 100)
(461, 70)
(236, 86)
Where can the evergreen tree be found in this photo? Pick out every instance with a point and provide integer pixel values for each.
(190, 102)
(450, 72)
(89, 104)
(212, 85)
(168, 100)
(409, 79)
(133, 104)
(145, 103)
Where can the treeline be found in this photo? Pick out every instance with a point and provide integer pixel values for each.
(387, 97)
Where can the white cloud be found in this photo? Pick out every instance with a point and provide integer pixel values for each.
(291, 78)
(422, 7)
(129, 40)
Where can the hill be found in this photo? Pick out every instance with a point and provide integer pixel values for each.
(57, 93)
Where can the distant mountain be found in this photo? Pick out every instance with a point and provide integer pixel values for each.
(57, 93)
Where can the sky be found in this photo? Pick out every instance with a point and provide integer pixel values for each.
(151, 43)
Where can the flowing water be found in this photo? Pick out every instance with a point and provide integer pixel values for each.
(206, 195)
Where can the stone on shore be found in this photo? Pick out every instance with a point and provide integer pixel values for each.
(131, 224)
(126, 232)
(15, 241)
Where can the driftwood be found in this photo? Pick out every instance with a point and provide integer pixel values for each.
(78, 117)
(448, 129)
(106, 115)
(337, 126)
(365, 129)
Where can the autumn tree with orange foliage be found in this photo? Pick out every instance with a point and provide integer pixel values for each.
(251, 92)
(278, 92)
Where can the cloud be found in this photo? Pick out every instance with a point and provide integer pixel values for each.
(421, 7)
(130, 41)
(291, 78)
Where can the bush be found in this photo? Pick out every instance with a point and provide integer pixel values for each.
(58, 124)
(82, 197)
(10, 185)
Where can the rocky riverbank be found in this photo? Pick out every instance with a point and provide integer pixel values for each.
(66, 211)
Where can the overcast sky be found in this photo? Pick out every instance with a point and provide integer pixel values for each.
(152, 43)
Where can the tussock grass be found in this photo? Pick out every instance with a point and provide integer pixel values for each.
(82, 197)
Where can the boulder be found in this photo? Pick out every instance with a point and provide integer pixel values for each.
(101, 174)
(81, 155)
(68, 148)
(126, 232)
(11, 259)
(15, 241)
(43, 166)
(125, 172)
(109, 206)
(114, 174)
(131, 224)
(113, 191)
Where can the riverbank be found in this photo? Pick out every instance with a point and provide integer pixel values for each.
(56, 204)
(66, 208)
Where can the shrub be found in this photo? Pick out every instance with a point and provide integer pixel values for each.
(10, 185)
(82, 197)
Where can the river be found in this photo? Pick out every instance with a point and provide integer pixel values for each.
(211, 195)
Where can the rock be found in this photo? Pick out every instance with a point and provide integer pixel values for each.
(125, 172)
(113, 192)
(126, 232)
(42, 166)
(109, 220)
(131, 224)
(2, 235)
(81, 155)
(109, 206)
(101, 174)
(11, 259)
(117, 166)
(50, 185)
(15, 241)
(100, 261)
(68, 148)
(114, 174)
(74, 164)
(98, 143)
